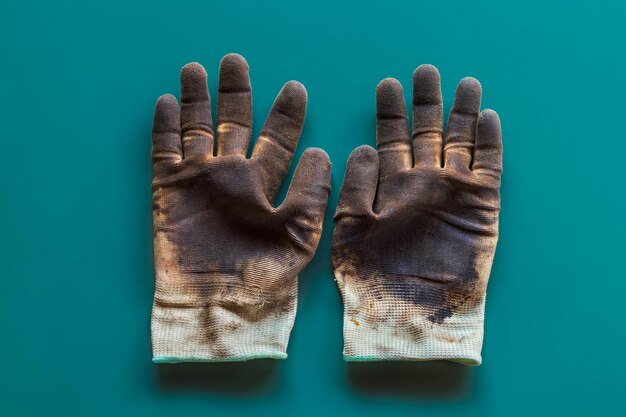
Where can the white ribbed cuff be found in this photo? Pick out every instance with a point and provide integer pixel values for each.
(391, 329)
(216, 334)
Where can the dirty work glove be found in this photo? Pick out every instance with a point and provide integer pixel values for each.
(416, 229)
(226, 259)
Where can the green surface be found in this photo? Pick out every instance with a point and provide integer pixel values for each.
(78, 83)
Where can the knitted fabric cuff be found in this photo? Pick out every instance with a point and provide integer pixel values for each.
(380, 328)
(218, 320)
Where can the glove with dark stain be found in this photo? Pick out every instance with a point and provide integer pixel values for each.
(227, 260)
(416, 227)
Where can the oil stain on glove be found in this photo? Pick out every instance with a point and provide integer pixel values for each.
(226, 259)
(417, 225)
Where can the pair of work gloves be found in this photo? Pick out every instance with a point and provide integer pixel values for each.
(415, 228)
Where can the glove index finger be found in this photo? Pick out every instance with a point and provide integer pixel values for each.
(392, 128)
(278, 139)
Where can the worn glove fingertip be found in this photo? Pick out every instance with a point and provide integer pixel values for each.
(388, 84)
(312, 176)
(193, 69)
(233, 59)
(468, 96)
(166, 114)
(234, 74)
(318, 157)
(363, 154)
(293, 98)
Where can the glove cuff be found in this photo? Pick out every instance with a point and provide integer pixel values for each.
(215, 334)
(382, 329)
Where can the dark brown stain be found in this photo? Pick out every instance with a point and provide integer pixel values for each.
(233, 248)
(209, 206)
(219, 221)
(429, 243)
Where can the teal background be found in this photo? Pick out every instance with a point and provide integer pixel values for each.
(78, 81)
